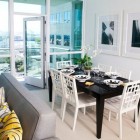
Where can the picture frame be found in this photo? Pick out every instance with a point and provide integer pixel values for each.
(131, 39)
(108, 37)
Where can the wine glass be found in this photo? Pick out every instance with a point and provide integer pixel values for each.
(97, 71)
(102, 74)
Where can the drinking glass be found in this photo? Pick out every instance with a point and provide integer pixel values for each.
(102, 74)
(97, 71)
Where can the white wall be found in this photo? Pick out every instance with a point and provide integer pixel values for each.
(107, 6)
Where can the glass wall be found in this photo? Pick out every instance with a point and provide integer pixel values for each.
(65, 30)
(4, 37)
(33, 9)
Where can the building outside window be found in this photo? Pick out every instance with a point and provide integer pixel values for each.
(4, 38)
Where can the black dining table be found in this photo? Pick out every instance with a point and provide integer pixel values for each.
(100, 91)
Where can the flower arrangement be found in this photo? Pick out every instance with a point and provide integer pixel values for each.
(86, 62)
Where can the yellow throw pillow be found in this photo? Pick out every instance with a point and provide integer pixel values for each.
(2, 95)
(4, 112)
(12, 129)
(12, 135)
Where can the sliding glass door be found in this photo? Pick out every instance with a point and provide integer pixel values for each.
(34, 39)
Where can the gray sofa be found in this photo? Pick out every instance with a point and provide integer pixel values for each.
(37, 119)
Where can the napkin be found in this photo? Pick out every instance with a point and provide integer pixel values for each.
(89, 83)
(123, 84)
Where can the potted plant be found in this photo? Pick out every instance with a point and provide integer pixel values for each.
(85, 63)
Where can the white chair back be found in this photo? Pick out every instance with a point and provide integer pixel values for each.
(70, 89)
(57, 81)
(124, 73)
(63, 64)
(130, 96)
(104, 67)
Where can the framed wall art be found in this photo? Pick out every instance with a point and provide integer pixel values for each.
(131, 35)
(109, 33)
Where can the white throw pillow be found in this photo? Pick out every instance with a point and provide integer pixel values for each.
(2, 96)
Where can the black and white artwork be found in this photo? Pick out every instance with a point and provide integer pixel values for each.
(66, 40)
(131, 35)
(107, 32)
(135, 33)
(58, 40)
(51, 39)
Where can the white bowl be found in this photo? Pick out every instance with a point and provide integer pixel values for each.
(112, 75)
(112, 82)
(81, 78)
(67, 71)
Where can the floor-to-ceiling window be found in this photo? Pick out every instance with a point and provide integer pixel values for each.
(65, 30)
(4, 37)
(33, 9)
(12, 13)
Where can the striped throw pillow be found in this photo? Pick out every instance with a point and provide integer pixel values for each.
(2, 95)
(12, 129)
(4, 112)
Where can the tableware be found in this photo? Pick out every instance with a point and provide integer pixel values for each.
(112, 75)
(102, 74)
(82, 78)
(113, 82)
(96, 70)
(67, 71)
(72, 66)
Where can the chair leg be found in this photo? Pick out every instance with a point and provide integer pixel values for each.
(64, 110)
(136, 120)
(53, 100)
(75, 118)
(62, 104)
(120, 125)
(84, 110)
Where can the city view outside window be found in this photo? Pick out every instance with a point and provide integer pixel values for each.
(32, 8)
(65, 30)
(4, 38)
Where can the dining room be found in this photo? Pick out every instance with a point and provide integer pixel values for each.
(110, 39)
(94, 45)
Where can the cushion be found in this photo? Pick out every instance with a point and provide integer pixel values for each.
(12, 129)
(4, 112)
(2, 95)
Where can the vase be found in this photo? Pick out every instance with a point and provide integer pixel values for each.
(87, 72)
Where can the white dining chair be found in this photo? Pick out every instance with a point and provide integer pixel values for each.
(124, 73)
(73, 98)
(128, 102)
(57, 89)
(63, 64)
(105, 68)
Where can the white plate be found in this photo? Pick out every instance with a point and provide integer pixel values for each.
(82, 78)
(67, 71)
(72, 66)
(112, 82)
(112, 75)
(95, 69)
